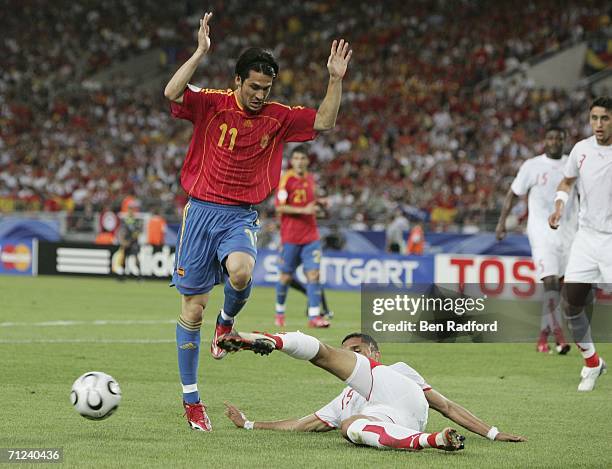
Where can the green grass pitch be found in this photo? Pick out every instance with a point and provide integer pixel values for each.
(508, 385)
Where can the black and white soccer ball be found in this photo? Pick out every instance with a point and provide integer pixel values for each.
(95, 395)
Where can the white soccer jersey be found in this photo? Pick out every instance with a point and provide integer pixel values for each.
(349, 402)
(592, 165)
(540, 176)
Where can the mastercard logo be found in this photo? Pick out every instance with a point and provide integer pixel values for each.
(15, 257)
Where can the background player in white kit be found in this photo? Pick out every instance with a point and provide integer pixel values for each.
(590, 261)
(539, 177)
(382, 406)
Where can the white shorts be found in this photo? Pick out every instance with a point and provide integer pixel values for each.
(550, 259)
(590, 259)
(391, 396)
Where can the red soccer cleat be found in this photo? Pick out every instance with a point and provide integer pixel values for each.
(318, 322)
(279, 320)
(197, 417)
(220, 330)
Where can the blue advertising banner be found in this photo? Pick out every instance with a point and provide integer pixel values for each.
(18, 257)
(347, 271)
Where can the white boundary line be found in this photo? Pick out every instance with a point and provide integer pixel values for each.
(102, 322)
(88, 341)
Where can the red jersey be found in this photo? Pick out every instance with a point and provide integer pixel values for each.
(298, 192)
(235, 157)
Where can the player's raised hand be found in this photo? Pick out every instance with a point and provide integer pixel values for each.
(204, 33)
(234, 414)
(338, 59)
(503, 436)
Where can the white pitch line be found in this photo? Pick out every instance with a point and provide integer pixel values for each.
(88, 341)
(96, 341)
(102, 322)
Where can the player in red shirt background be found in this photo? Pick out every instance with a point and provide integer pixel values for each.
(233, 162)
(297, 205)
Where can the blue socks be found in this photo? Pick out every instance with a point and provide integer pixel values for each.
(281, 297)
(313, 291)
(234, 301)
(188, 347)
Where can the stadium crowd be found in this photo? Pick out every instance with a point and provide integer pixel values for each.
(423, 126)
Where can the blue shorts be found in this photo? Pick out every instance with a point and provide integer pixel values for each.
(209, 233)
(292, 255)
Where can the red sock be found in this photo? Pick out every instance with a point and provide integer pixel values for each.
(592, 361)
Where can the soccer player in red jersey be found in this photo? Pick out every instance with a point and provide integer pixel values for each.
(298, 207)
(233, 162)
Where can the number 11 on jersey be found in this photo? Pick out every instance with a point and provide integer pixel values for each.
(233, 134)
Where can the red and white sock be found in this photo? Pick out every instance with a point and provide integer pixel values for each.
(297, 345)
(587, 350)
(581, 331)
(391, 435)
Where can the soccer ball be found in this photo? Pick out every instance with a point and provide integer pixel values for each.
(95, 395)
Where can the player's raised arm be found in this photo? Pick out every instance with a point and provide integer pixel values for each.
(500, 230)
(310, 423)
(176, 86)
(336, 66)
(563, 190)
(466, 419)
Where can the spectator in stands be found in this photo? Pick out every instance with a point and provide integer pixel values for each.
(411, 132)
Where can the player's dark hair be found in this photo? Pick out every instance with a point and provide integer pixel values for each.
(602, 101)
(300, 149)
(368, 339)
(555, 128)
(256, 59)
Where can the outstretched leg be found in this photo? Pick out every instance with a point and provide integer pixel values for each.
(352, 368)
(362, 430)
